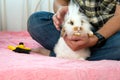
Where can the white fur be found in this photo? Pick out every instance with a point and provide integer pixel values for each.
(61, 49)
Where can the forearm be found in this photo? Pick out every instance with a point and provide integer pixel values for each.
(58, 3)
(111, 27)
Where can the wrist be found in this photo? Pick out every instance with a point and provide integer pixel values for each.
(101, 39)
(93, 41)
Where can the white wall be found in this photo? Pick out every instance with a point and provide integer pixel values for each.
(18, 11)
(14, 14)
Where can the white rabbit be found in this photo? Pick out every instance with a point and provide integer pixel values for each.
(75, 23)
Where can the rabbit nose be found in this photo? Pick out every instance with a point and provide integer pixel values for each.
(81, 28)
(77, 28)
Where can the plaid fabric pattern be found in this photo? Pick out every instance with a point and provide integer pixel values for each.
(98, 11)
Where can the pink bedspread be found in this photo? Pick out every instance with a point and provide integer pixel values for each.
(16, 66)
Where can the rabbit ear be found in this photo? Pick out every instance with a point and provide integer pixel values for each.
(73, 7)
(63, 32)
(74, 2)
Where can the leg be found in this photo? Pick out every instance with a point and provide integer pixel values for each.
(41, 28)
(110, 51)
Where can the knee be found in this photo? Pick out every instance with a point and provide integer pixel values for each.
(32, 21)
(37, 19)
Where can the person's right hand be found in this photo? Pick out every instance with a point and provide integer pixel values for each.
(58, 17)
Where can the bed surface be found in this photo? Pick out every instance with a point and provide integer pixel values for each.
(18, 66)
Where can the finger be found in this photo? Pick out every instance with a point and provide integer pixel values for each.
(60, 18)
(81, 37)
(70, 43)
(76, 45)
(73, 45)
(56, 22)
(58, 15)
(61, 13)
(55, 19)
(75, 38)
(83, 44)
(56, 26)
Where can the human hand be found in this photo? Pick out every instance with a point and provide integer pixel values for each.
(58, 17)
(79, 42)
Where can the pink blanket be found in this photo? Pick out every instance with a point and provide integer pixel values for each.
(17, 66)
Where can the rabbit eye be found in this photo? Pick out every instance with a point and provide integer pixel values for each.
(71, 22)
(82, 22)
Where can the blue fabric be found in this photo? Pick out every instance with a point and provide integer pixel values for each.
(42, 29)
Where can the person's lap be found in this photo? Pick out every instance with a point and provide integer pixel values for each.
(41, 28)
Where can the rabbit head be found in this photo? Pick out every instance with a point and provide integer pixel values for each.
(75, 22)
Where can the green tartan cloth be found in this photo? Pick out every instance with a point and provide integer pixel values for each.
(98, 11)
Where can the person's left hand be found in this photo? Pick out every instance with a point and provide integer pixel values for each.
(77, 42)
